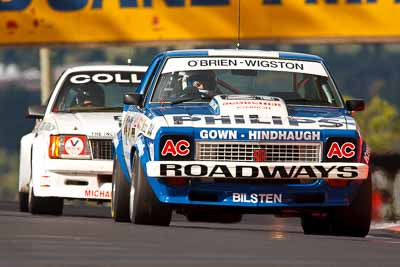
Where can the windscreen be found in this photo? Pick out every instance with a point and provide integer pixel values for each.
(200, 79)
(96, 91)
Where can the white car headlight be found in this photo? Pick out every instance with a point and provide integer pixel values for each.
(69, 147)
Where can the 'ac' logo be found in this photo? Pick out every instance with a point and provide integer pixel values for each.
(344, 151)
(181, 148)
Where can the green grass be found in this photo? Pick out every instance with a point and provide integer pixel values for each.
(8, 175)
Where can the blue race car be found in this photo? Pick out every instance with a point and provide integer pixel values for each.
(214, 134)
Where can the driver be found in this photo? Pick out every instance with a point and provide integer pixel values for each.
(203, 83)
(90, 95)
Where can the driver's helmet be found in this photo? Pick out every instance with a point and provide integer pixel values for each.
(204, 81)
(90, 95)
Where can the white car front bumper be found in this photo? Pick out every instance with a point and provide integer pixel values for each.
(79, 179)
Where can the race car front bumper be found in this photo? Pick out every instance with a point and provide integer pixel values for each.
(77, 179)
(254, 170)
(256, 185)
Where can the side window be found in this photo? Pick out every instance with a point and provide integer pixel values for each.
(65, 99)
(315, 88)
(165, 89)
(69, 99)
(149, 79)
(307, 87)
(325, 91)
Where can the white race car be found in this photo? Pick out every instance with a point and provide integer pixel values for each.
(69, 152)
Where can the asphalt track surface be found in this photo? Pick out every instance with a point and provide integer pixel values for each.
(87, 236)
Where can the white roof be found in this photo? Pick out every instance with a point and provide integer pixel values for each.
(107, 68)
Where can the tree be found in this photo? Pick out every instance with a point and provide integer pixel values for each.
(380, 126)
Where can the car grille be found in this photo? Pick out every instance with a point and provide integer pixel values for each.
(101, 149)
(243, 151)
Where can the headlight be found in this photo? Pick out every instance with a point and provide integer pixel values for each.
(341, 149)
(69, 147)
(176, 147)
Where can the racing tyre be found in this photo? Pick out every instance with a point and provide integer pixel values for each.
(144, 206)
(355, 219)
(23, 202)
(44, 205)
(120, 194)
(315, 225)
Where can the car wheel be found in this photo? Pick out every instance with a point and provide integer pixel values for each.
(145, 208)
(23, 202)
(44, 205)
(355, 219)
(120, 194)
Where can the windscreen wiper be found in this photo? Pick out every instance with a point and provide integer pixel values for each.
(92, 109)
(107, 109)
(188, 99)
(302, 100)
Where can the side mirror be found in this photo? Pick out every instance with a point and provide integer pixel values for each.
(36, 112)
(355, 105)
(133, 99)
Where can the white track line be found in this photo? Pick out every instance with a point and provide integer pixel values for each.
(384, 225)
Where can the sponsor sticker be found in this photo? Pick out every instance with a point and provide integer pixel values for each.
(74, 145)
(257, 170)
(284, 135)
(180, 148)
(255, 198)
(125, 78)
(251, 102)
(248, 171)
(345, 150)
(254, 120)
(101, 134)
(341, 149)
(137, 122)
(248, 97)
(97, 193)
(243, 63)
(219, 134)
(367, 155)
(259, 135)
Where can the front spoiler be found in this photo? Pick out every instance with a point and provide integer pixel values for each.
(260, 170)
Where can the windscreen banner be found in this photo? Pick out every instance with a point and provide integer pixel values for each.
(42, 22)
